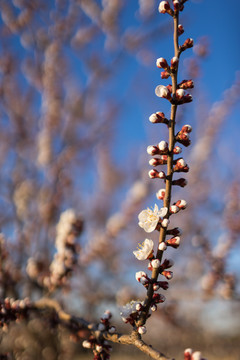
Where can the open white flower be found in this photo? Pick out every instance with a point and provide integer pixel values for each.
(145, 250)
(148, 219)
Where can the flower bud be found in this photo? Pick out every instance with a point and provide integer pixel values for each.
(160, 194)
(180, 94)
(164, 7)
(177, 150)
(163, 147)
(174, 62)
(174, 242)
(163, 92)
(167, 264)
(154, 307)
(158, 298)
(196, 355)
(165, 74)
(152, 150)
(155, 263)
(188, 354)
(187, 44)
(182, 204)
(142, 330)
(180, 29)
(158, 117)
(162, 246)
(186, 129)
(165, 222)
(176, 5)
(186, 84)
(153, 174)
(168, 274)
(174, 209)
(175, 231)
(162, 63)
(139, 275)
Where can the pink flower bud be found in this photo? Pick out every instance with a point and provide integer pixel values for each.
(160, 194)
(188, 354)
(152, 150)
(177, 150)
(174, 242)
(180, 94)
(163, 147)
(142, 330)
(155, 287)
(174, 62)
(187, 44)
(154, 307)
(163, 284)
(176, 5)
(186, 129)
(158, 117)
(164, 7)
(139, 275)
(162, 63)
(165, 223)
(155, 263)
(196, 355)
(180, 29)
(168, 274)
(158, 298)
(174, 209)
(186, 84)
(162, 246)
(153, 174)
(163, 92)
(182, 204)
(165, 74)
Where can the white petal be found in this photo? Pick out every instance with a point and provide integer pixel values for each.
(163, 211)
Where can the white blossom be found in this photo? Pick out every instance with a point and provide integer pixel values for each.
(148, 219)
(145, 249)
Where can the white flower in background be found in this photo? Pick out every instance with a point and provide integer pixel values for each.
(145, 250)
(148, 219)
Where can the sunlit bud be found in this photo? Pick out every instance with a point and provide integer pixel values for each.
(177, 150)
(174, 62)
(143, 281)
(152, 150)
(180, 29)
(175, 231)
(167, 264)
(101, 327)
(181, 166)
(180, 182)
(165, 222)
(165, 74)
(142, 330)
(188, 354)
(99, 348)
(180, 94)
(140, 274)
(174, 242)
(186, 84)
(112, 330)
(164, 7)
(163, 146)
(155, 263)
(154, 307)
(163, 92)
(187, 44)
(161, 194)
(168, 274)
(176, 5)
(158, 117)
(162, 246)
(162, 63)
(196, 355)
(182, 204)
(86, 344)
(186, 128)
(174, 209)
(153, 174)
(155, 287)
(158, 298)
(139, 307)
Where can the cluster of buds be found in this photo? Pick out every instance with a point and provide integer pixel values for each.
(189, 354)
(164, 7)
(12, 310)
(100, 347)
(183, 135)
